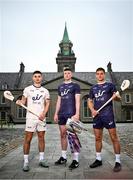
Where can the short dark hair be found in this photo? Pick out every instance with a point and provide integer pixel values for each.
(100, 69)
(67, 68)
(37, 72)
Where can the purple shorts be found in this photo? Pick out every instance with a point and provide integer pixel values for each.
(63, 119)
(99, 122)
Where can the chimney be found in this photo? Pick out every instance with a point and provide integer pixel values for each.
(22, 67)
(109, 67)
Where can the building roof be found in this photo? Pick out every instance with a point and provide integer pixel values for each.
(9, 79)
(89, 77)
(120, 76)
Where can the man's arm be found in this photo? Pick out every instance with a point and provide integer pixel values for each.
(77, 104)
(22, 101)
(57, 109)
(42, 116)
(91, 107)
(116, 96)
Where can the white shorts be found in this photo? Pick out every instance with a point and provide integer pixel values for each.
(33, 125)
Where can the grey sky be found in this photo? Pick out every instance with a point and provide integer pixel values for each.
(101, 31)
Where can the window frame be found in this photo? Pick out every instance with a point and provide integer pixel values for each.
(5, 115)
(1, 99)
(22, 111)
(85, 100)
(131, 115)
(128, 94)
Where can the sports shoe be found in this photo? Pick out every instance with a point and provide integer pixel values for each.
(60, 161)
(26, 167)
(117, 167)
(43, 163)
(96, 164)
(73, 165)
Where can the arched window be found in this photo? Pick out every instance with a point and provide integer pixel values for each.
(4, 86)
(21, 112)
(86, 110)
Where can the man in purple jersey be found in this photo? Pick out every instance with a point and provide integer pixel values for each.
(67, 106)
(98, 95)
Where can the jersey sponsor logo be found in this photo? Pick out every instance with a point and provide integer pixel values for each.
(99, 94)
(42, 91)
(65, 92)
(37, 97)
(70, 86)
(105, 86)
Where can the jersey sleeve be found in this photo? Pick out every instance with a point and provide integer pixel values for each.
(91, 94)
(25, 92)
(59, 92)
(47, 96)
(77, 89)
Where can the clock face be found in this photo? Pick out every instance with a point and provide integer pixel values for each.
(66, 50)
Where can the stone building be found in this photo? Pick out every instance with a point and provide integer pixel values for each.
(16, 82)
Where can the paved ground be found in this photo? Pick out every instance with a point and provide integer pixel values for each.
(10, 138)
(11, 164)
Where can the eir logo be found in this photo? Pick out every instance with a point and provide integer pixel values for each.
(65, 92)
(36, 98)
(99, 94)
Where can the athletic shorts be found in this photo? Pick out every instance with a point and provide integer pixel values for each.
(33, 125)
(62, 119)
(100, 122)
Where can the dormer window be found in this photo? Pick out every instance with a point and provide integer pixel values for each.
(4, 86)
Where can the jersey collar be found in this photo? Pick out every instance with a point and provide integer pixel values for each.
(36, 86)
(67, 82)
(101, 82)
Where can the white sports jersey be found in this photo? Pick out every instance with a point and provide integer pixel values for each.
(35, 100)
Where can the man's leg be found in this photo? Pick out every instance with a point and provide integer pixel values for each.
(41, 141)
(75, 146)
(41, 147)
(26, 149)
(98, 139)
(116, 146)
(115, 140)
(63, 137)
(75, 161)
(98, 145)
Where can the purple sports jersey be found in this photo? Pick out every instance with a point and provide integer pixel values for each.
(100, 93)
(67, 92)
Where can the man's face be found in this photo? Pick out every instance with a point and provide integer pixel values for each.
(67, 75)
(100, 76)
(37, 78)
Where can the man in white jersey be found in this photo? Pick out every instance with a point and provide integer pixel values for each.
(37, 99)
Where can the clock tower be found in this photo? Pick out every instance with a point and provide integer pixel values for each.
(65, 56)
